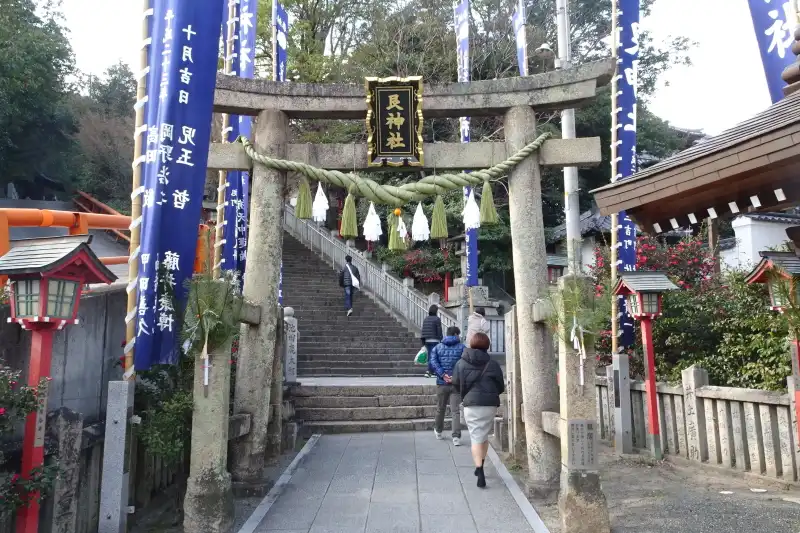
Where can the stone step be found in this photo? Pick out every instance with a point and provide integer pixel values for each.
(344, 372)
(357, 363)
(353, 352)
(343, 357)
(365, 390)
(370, 426)
(366, 401)
(366, 413)
(322, 337)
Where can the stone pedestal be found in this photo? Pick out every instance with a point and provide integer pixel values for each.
(537, 363)
(257, 343)
(581, 502)
(208, 505)
(290, 338)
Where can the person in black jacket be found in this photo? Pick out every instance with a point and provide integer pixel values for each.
(480, 382)
(431, 335)
(350, 281)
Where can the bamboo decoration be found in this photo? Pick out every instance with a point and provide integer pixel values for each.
(136, 195)
(219, 240)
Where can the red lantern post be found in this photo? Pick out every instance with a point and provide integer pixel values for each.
(642, 291)
(47, 277)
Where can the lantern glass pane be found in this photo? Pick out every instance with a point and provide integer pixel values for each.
(777, 293)
(26, 294)
(633, 304)
(650, 303)
(61, 298)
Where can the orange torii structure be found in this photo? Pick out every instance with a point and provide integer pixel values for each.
(79, 224)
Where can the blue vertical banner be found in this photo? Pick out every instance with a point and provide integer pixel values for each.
(627, 84)
(774, 22)
(462, 49)
(518, 21)
(237, 193)
(280, 49)
(180, 96)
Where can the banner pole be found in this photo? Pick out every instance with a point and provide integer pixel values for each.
(136, 194)
(230, 27)
(614, 167)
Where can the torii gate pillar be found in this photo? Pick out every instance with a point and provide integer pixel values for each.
(254, 367)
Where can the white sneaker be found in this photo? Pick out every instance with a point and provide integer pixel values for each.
(438, 435)
(456, 441)
(349, 312)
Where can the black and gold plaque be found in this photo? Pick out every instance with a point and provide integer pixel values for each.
(394, 122)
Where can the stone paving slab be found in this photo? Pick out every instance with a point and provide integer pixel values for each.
(396, 482)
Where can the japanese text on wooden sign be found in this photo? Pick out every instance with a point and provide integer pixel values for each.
(394, 122)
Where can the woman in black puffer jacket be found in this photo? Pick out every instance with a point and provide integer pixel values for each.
(480, 382)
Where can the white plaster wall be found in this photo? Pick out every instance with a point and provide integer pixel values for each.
(587, 253)
(752, 237)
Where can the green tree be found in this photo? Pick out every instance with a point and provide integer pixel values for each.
(104, 142)
(35, 121)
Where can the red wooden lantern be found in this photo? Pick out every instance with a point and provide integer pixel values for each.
(642, 292)
(46, 278)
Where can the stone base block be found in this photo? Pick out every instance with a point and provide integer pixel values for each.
(290, 430)
(500, 438)
(208, 507)
(244, 489)
(582, 504)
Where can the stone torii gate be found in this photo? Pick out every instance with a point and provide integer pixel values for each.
(516, 100)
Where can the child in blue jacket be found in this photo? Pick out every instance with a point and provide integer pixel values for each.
(443, 359)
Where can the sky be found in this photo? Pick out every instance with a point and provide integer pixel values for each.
(724, 86)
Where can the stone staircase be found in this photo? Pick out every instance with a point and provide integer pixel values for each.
(369, 346)
(371, 342)
(371, 408)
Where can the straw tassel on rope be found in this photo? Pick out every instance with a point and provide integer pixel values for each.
(439, 222)
(488, 210)
(303, 208)
(396, 243)
(349, 219)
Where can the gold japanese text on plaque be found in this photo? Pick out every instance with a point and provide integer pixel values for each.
(394, 122)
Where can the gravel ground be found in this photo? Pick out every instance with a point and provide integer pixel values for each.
(648, 497)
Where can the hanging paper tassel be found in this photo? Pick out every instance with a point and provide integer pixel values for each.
(439, 222)
(319, 210)
(302, 208)
(488, 211)
(372, 225)
(402, 231)
(349, 220)
(396, 242)
(471, 213)
(419, 226)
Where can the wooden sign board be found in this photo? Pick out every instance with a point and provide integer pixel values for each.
(394, 122)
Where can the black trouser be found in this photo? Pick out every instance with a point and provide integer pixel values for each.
(447, 394)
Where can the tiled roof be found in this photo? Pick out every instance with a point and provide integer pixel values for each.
(647, 281)
(35, 255)
(783, 113)
(591, 222)
(786, 261)
(782, 218)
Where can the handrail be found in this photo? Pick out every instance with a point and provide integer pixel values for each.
(87, 202)
(403, 300)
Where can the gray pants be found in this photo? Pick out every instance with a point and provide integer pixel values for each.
(445, 394)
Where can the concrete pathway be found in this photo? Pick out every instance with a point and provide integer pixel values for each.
(403, 482)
